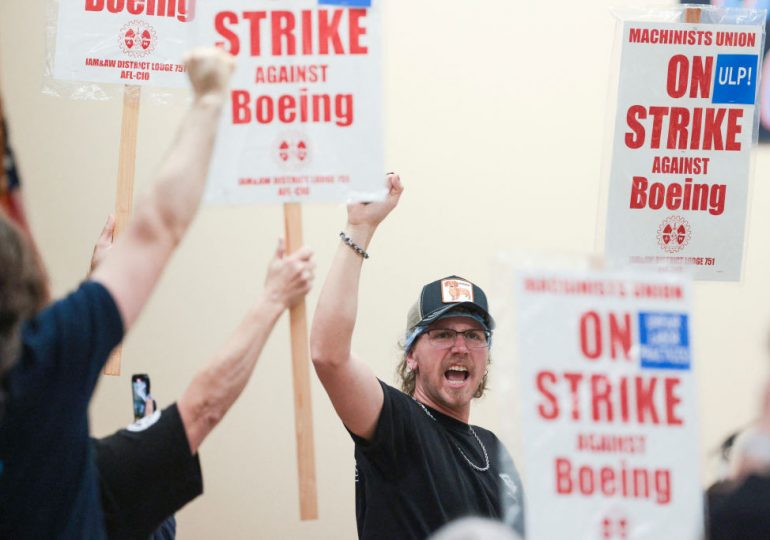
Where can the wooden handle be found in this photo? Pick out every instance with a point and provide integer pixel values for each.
(124, 196)
(303, 417)
(692, 15)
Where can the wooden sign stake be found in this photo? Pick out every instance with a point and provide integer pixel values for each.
(124, 196)
(692, 15)
(303, 418)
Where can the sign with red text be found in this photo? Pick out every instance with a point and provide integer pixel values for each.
(609, 406)
(303, 120)
(682, 146)
(139, 42)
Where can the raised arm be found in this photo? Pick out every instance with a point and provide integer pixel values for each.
(351, 385)
(215, 388)
(132, 267)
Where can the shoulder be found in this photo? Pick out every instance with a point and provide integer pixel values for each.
(77, 330)
(90, 302)
(395, 419)
(395, 399)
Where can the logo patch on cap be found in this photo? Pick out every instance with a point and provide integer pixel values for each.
(456, 290)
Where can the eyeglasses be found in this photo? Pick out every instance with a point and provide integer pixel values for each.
(444, 338)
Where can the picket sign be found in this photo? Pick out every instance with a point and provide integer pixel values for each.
(300, 361)
(124, 194)
(303, 124)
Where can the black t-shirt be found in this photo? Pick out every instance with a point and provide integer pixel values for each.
(737, 512)
(146, 473)
(415, 475)
(48, 485)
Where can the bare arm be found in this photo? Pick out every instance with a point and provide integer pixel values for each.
(352, 387)
(215, 388)
(133, 266)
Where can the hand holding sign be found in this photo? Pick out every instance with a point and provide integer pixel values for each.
(289, 277)
(104, 243)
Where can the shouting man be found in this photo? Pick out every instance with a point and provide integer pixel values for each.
(419, 463)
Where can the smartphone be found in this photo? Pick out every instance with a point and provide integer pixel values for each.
(140, 390)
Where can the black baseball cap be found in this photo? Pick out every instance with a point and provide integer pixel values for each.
(450, 294)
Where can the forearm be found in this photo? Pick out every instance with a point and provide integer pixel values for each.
(335, 315)
(215, 388)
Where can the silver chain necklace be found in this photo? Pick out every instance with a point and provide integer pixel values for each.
(481, 444)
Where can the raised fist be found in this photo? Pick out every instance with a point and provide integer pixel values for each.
(209, 70)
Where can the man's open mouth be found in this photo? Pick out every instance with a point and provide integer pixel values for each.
(457, 374)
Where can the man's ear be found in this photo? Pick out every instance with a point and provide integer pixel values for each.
(411, 361)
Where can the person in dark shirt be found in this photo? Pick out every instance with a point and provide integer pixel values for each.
(151, 469)
(738, 507)
(419, 463)
(52, 357)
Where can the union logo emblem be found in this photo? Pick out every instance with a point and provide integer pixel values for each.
(674, 234)
(137, 38)
(293, 150)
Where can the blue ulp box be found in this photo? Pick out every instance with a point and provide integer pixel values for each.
(735, 79)
(664, 340)
(346, 3)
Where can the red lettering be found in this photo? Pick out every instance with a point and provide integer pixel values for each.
(328, 31)
(563, 476)
(624, 399)
(701, 76)
(180, 9)
(264, 109)
(283, 29)
(618, 480)
(672, 400)
(697, 120)
(600, 394)
(676, 80)
(657, 196)
(638, 192)
(307, 32)
(657, 113)
(674, 196)
(356, 31)
(644, 400)
(255, 19)
(135, 7)
(712, 129)
(733, 129)
(620, 334)
(590, 335)
(677, 128)
(234, 44)
(115, 6)
(241, 111)
(550, 409)
(286, 105)
(607, 481)
(611, 398)
(635, 139)
(574, 382)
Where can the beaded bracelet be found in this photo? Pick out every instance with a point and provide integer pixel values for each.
(355, 247)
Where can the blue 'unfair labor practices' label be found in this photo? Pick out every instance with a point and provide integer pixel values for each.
(349, 3)
(664, 341)
(735, 80)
